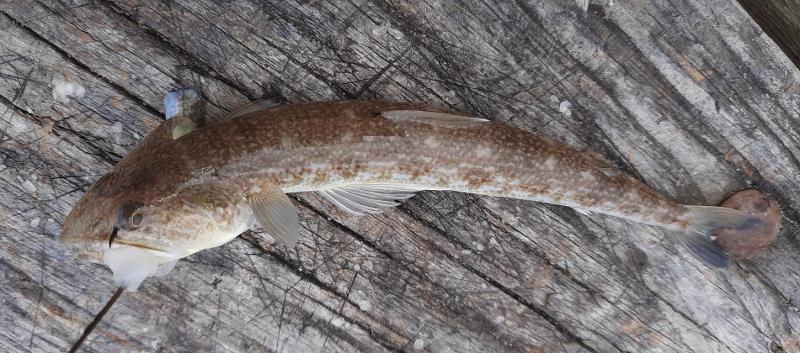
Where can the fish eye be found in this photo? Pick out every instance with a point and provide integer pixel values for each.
(136, 219)
(129, 216)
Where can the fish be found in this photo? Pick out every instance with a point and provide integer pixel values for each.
(190, 186)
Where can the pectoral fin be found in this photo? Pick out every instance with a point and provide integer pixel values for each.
(276, 214)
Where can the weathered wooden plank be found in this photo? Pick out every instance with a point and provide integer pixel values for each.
(121, 53)
(779, 19)
(47, 162)
(689, 96)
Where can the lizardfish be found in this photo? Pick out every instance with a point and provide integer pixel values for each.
(189, 187)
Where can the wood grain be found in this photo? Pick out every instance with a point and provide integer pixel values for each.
(780, 19)
(689, 96)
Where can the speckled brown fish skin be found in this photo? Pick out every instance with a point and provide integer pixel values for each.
(313, 146)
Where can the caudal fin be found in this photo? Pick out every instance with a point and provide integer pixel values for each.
(703, 220)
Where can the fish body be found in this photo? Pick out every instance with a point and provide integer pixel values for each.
(205, 187)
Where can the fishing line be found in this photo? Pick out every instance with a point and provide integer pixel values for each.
(96, 320)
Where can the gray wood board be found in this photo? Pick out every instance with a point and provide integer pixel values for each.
(780, 19)
(689, 96)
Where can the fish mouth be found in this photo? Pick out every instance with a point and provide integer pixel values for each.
(93, 251)
(140, 246)
(89, 255)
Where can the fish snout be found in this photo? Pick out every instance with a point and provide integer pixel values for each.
(84, 248)
(86, 231)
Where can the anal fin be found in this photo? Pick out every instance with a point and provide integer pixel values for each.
(363, 199)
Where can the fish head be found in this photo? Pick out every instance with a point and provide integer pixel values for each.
(136, 231)
(138, 237)
(90, 224)
(194, 218)
(174, 224)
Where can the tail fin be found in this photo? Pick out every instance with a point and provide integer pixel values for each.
(705, 219)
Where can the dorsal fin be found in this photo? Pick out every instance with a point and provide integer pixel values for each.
(434, 118)
(601, 163)
(255, 106)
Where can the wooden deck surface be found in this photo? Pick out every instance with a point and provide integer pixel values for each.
(690, 96)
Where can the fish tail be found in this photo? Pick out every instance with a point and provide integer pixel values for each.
(702, 221)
